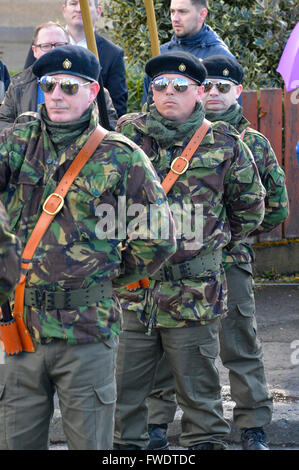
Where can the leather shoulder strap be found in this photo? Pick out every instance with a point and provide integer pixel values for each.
(54, 203)
(180, 164)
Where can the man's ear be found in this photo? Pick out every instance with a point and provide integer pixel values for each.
(94, 90)
(239, 90)
(203, 13)
(199, 93)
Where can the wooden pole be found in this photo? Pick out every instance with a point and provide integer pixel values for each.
(152, 26)
(92, 46)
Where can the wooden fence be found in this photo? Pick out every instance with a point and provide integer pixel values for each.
(275, 114)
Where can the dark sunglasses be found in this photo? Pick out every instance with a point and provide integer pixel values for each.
(222, 87)
(69, 86)
(180, 84)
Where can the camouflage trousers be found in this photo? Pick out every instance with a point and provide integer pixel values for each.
(84, 378)
(191, 354)
(240, 352)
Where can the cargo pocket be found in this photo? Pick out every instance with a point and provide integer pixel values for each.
(104, 416)
(106, 394)
(246, 329)
(209, 350)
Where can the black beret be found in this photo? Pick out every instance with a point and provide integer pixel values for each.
(225, 67)
(73, 60)
(179, 62)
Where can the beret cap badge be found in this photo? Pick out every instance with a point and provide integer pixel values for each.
(67, 64)
(225, 72)
(182, 67)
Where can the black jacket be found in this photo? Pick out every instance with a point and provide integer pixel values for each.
(4, 80)
(113, 71)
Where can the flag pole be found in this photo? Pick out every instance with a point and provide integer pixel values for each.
(152, 26)
(92, 46)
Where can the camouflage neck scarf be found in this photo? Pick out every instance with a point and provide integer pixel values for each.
(167, 132)
(63, 134)
(232, 115)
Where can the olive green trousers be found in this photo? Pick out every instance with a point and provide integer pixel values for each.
(191, 354)
(240, 352)
(83, 377)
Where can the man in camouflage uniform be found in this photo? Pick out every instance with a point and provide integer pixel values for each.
(240, 349)
(179, 314)
(71, 312)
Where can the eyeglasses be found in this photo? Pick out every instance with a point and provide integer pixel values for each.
(180, 84)
(69, 86)
(222, 87)
(46, 46)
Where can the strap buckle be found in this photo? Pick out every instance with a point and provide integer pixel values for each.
(58, 208)
(185, 167)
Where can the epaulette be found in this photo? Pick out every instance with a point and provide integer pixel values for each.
(225, 128)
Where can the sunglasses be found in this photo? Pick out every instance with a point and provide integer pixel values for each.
(69, 86)
(221, 87)
(180, 84)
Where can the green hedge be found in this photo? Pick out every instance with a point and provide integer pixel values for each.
(255, 32)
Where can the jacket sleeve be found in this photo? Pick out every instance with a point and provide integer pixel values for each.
(112, 115)
(150, 233)
(116, 83)
(244, 194)
(8, 110)
(10, 257)
(273, 179)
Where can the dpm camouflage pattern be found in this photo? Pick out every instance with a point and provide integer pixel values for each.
(10, 258)
(71, 255)
(273, 179)
(224, 180)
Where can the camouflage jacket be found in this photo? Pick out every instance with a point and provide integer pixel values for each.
(273, 179)
(75, 252)
(222, 191)
(10, 256)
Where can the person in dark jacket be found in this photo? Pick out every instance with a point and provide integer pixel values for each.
(24, 95)
(4, 80)
(191, 34)
(111, 56)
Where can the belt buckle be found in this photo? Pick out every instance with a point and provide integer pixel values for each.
(58, 208)
(38, 297)
(185, 167)
(168, 274)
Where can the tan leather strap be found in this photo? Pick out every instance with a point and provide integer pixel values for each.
(180, 164)
(54, 203)
(51, 207)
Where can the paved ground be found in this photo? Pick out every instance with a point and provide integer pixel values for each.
(278, 329)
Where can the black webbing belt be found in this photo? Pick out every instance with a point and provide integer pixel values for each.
(68, 299)
(193, 267)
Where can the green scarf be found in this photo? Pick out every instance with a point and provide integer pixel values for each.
(232, 115)
(63, 134)
(167, 132)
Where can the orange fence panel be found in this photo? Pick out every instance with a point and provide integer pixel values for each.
(270, 125)
(250, 107)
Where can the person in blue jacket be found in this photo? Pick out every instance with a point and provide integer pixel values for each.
(191, 34)
(4, 80)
